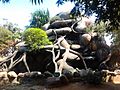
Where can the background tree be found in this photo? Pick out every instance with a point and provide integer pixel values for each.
(116, 38)
(33, 1)
(5, 1)
(36, 1)
(5, 37)
(39, 18)
(98, 27)
(13, 28)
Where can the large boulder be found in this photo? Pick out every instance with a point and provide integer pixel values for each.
(4, 78)
(12, 77)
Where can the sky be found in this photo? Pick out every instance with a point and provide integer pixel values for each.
(19, 11)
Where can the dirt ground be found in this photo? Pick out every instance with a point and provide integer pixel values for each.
(72, 86)
(115, 85)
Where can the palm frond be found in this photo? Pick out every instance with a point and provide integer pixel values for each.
(5, 1)
(36, 1)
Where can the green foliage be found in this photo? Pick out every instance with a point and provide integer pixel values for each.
(116, 37)
(5, 1)
(39, 18)
(36, 1)
(11, 27)
(98, 27)
(14, 29)
(33, 1)
(5, 34)
(5, 37)
(36, 38)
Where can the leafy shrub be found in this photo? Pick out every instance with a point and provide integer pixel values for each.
(36, 38)
(38, 19)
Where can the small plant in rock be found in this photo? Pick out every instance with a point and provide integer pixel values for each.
(36, 38)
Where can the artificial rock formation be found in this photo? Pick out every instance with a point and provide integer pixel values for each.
(74, 51)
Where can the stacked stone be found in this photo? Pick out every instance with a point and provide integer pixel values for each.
(90, 45)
